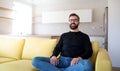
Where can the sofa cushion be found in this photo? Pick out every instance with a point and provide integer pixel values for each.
(11, 46)
(95, 47)
(19, 65)
(38, 47)
(4, 59)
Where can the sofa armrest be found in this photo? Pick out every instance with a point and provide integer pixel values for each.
(103, 62)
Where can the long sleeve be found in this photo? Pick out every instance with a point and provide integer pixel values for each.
(88, 48)
(58, 47)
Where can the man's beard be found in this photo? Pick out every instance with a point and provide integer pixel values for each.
(73, 26)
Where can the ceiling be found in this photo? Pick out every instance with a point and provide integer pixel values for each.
(56, 2)
(41, 1)
(30, 1)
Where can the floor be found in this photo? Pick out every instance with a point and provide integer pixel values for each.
(116, 69)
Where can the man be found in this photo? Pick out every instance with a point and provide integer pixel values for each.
(74, 48)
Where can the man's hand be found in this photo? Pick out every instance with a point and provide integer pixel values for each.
(75, 60)
(54, 60)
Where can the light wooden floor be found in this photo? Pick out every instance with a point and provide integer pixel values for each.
(116, 69)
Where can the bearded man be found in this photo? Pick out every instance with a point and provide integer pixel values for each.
(74, 48)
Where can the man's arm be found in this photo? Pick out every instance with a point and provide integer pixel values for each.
(88, 48)
(58, 47)
(56, 51)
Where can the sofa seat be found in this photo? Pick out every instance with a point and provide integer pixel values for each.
(18, 65)
(5, 59)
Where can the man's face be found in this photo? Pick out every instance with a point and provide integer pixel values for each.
(73, 22)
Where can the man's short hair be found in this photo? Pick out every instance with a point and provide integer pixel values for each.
(74, 14)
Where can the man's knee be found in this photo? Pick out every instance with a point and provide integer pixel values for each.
(35, 60)
(87, 64)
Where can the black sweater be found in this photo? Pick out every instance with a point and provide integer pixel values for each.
(74, 44)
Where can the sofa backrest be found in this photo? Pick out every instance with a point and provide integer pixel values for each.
(35, 46)
(95, 47)
(44, 47)
(11, 47)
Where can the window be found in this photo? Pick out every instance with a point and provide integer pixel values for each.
(22, 25)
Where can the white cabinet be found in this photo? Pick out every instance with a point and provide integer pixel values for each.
(63, 16)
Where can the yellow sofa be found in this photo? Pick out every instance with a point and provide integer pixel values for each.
(16, 53)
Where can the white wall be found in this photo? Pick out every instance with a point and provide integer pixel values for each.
(94, 28)
(113, 31)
